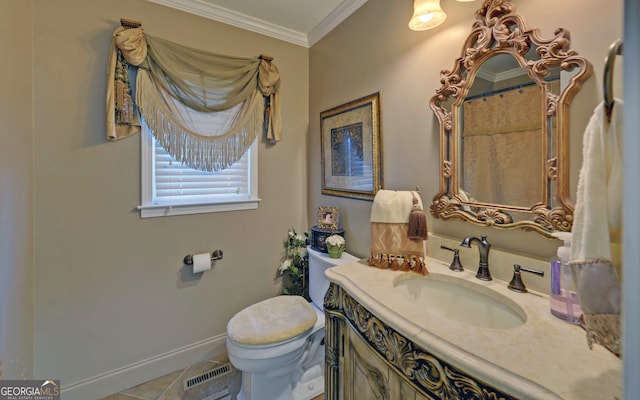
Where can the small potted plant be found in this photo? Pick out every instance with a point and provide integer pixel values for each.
(335, 246)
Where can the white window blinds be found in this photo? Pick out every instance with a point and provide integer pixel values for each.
(171, 188)
(176, 183)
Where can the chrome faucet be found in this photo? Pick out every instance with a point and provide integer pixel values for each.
(483, 248)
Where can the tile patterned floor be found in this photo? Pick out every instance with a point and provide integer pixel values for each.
(169, 387)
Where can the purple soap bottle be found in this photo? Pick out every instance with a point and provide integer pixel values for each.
(564, 299)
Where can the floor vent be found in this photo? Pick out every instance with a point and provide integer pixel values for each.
(218, 372)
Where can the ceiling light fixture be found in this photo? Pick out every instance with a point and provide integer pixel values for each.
(427, 14)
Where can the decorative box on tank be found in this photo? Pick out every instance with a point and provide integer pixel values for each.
(327, 225)
(319, 235)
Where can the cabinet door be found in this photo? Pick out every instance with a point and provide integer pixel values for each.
(366, 375)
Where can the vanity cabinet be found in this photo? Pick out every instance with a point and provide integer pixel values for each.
(366, 359)
(380, 344)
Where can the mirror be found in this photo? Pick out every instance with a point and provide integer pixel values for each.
(504, 125)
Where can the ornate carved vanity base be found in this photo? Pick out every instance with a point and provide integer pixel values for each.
(367, 359)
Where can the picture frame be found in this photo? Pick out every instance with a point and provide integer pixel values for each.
(328, 218)
(351, 149)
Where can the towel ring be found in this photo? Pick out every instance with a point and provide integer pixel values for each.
(614, 50)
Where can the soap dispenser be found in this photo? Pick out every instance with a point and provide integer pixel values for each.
(564, 299)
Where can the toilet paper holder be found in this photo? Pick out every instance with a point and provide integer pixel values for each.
(215, 255)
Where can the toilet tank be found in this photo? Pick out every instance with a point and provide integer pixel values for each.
(318, 263)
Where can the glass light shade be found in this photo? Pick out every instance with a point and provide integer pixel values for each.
(427, 14)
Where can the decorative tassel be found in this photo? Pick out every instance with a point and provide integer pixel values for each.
(124, 106)
(384, 264)
(394, 264)
(375, 260)
(372, 260)
(417, 222)
(422, 267)
(123, 101)
(406, 265)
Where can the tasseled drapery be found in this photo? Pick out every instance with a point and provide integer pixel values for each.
(188, 146)
(178, 88)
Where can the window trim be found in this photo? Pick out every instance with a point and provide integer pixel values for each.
(148, 210)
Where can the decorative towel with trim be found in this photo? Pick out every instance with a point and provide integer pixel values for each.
(597, 229)
(393, 245)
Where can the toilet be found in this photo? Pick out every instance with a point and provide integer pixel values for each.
(278, 343)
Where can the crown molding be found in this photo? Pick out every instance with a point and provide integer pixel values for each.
(243, 21)
(500, 76)
(335, 18)
(230, 17)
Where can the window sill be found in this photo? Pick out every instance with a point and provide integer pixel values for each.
(186, 209)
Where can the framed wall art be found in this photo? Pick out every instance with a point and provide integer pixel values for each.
(328, 218)
(351, 149)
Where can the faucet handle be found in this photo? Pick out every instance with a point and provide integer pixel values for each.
(516, 284)
(456, 265)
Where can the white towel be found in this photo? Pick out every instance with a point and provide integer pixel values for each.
(393, 207)
(598, 213)
(597, 222)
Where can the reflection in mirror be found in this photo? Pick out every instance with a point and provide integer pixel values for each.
(501, 135)
(503, 113)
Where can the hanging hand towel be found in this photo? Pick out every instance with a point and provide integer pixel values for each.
(391, 245)
(598, 215)
(597, 228)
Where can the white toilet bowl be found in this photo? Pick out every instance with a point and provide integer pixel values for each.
(278, 343)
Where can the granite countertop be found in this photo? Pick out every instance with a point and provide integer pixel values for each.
(544, 358)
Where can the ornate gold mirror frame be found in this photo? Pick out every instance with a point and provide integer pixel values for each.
(499, 30)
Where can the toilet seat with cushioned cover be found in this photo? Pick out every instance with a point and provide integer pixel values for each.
(272, 320)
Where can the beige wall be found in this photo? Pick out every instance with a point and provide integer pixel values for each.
(110, 288)
(375, 51)
(16, 191)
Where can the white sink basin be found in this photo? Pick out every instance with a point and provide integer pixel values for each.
(461, 300)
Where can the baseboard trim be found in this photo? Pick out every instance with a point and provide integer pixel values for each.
(107, 383)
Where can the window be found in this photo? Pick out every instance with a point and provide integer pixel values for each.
(170, 188)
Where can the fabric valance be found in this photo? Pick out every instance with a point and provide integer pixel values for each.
(205, 109)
